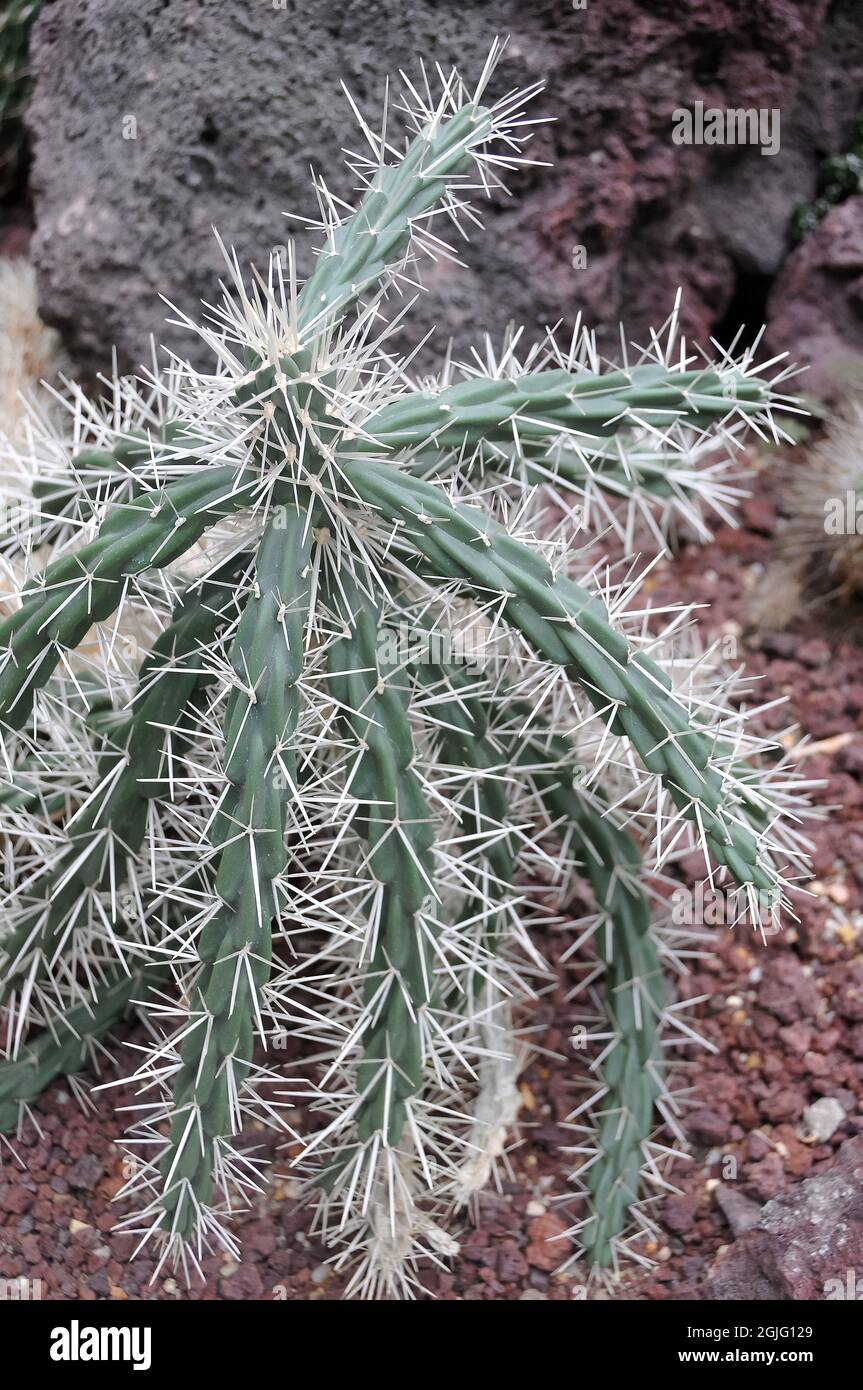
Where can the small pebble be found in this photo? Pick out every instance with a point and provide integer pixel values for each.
(822, 1119)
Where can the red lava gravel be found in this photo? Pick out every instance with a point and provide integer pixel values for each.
(786, 1019)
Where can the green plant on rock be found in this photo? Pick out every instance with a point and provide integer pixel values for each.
(15, 23)
(313, 831)
(840, 177)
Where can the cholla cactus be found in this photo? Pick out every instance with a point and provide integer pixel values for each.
(15, 22)
(314, 835)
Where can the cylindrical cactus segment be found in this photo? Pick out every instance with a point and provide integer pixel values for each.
(235, 944)
(631, 1073)
(393, 818)
(529, 409)
(155, 528)
(67, 1045)
(110, 828)
(569, 627)
(378, 235)
(466, 741)
(88, 586)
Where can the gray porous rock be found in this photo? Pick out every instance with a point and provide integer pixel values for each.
(153, 122)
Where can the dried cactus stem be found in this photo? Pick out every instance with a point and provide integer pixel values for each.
(630, 1076)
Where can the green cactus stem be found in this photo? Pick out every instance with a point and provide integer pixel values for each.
(235, 944)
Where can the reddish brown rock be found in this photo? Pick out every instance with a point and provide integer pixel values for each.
(708, 1125)
(816, 305)
(739, 1211)
(548, 1246)
(245, 1283)
(805, 1238)
(17, 1199)
(787, 992)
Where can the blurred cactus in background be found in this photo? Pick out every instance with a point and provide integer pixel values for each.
(820, 542)
(313, 832)
(837, 465)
